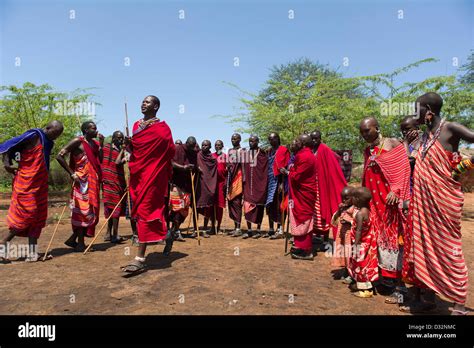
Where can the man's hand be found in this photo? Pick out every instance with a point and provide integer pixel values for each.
(11, 169)
(127, 141)
(75, 178)
(412, 135)
(101, 139)
(342, 207)
(392, 198)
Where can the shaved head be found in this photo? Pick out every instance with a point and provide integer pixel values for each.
(254, 137)
(306, 140)
(53, 129)
(361, 197)
(369, 129)
(371, 121)
(206, 146)
(253, 142)
(235, 140)
(274, 139)
(431, 101)
(155, 100)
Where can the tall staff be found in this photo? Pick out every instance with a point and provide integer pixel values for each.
(56, 228)
(195, 208)
(127, 172)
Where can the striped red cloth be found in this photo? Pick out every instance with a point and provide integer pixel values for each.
(85, 197)
(320, 224)
(363, 264)
(330, 182)
(113, 182)
(436, 216)
(388, 171)
(29, 204)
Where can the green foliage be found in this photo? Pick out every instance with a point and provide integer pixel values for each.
(32, 106)
(468, 77)
(302, 96)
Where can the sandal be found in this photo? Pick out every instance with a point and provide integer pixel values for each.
(4, 260)
(348, 280)
(117, 240)
(458, 312)
(32, 258)
(364, 294)
(395, 298)
(134, 267)
(417, 307)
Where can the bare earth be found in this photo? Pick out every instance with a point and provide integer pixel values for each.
(205, 279)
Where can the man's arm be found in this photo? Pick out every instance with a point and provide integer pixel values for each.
(461, 132)
(8, 161)
(121, 157)
(8, 164)
(359, 220)
(68, 149)
(184, 167)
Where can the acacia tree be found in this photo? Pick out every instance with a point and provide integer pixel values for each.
(33, 106)
(302, 96)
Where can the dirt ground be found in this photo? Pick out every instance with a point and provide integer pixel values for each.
(205, 279)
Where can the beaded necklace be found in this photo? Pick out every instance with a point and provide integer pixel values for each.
(427, 142)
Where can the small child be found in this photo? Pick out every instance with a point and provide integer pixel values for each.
(363, 264)
(342, 219)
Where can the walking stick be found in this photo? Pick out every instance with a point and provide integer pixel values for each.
(56, 228)
(287, 224)
(194, 208)
(287, 231)
(105, 223)
(189, 221)
(127, 176)
(283, 212)
(215, 220)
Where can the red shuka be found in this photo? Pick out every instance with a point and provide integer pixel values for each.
(302, 180)
(221, 178)
(150, 171)
(256, 177)
(331, 181)
(282, 157)
(208, 180)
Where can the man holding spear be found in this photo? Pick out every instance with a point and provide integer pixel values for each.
(182, 191)
(152, 149)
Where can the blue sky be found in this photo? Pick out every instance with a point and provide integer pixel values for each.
(185, 62)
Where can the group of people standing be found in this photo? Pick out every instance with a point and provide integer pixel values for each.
(402, 225)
